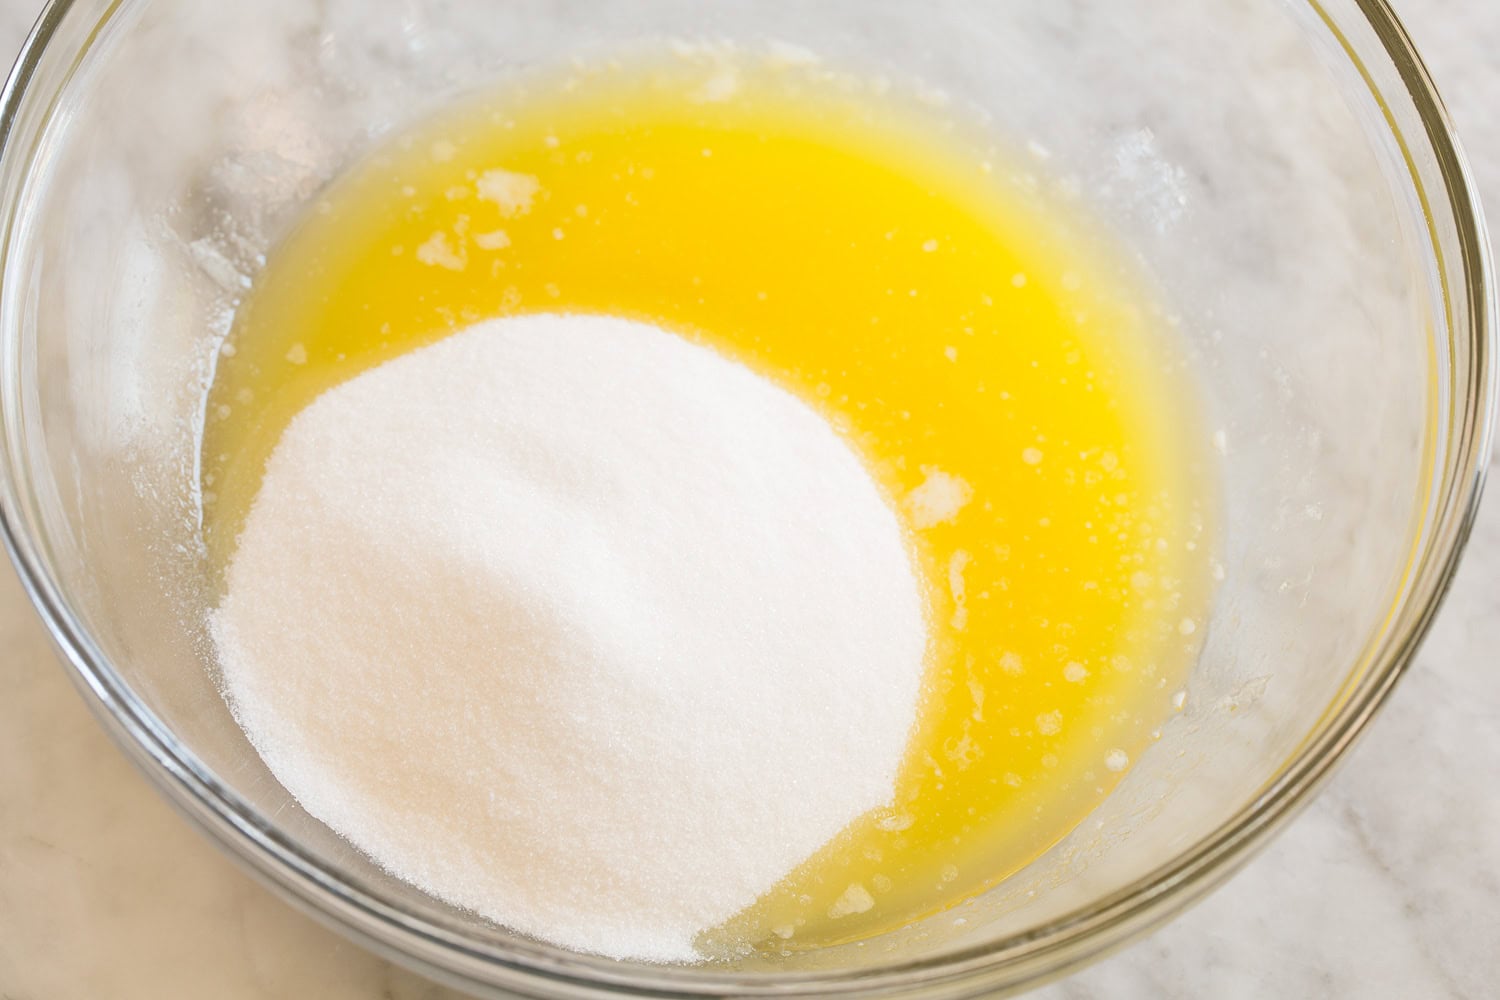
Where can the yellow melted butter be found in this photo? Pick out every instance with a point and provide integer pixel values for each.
(1003, 376)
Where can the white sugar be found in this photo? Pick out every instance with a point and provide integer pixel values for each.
(938, 498)
(576, 625)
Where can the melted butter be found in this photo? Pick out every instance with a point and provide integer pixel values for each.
(1004, 377)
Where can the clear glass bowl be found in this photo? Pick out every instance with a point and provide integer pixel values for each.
(1283, 169)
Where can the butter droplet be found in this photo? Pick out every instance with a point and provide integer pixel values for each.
(856, 899)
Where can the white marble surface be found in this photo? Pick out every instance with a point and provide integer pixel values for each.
(1388, 886)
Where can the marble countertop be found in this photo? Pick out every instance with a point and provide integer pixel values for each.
(1387, 886)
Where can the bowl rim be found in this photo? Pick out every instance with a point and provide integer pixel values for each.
(431, 945)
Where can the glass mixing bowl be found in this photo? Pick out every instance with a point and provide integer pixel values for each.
(1283, 170)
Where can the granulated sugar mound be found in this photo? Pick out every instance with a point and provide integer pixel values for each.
(577, 625)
